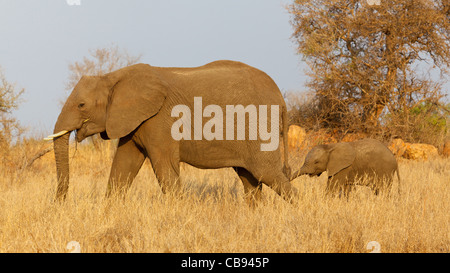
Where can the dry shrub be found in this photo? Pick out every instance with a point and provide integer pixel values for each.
(424, 123)
(303, 110)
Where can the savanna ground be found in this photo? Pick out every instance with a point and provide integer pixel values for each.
(212, 215)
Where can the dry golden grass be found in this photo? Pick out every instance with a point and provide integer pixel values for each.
(212, 215)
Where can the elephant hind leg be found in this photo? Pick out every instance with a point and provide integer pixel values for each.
(384, 183)
(166, 165)
(252, 187)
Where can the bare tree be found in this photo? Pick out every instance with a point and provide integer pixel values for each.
(100, 61)
(9, 101)
(364, 59)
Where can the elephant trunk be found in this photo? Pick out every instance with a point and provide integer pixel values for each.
(63, 127)
(298, 173)
(61, 149)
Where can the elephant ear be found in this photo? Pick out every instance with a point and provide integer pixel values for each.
(342, 156)
(133, 100)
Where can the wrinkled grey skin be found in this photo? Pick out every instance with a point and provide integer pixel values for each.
(365, 162)
(134, 105)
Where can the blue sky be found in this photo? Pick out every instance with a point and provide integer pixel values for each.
(41, 38)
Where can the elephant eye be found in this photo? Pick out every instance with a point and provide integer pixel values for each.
(81, 105)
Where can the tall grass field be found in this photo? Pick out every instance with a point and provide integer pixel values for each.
(212, 215)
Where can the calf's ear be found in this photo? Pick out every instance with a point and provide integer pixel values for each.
(342, 155)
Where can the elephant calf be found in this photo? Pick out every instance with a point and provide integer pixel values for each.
(364, 162)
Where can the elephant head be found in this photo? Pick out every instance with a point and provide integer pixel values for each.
(329, 157)
(113, 105)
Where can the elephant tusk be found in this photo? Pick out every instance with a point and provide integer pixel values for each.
(86, 120)
(51, 137)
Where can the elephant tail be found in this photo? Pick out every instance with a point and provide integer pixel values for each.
(398, 177)
(285, 128)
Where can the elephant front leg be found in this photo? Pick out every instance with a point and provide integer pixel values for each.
(278, 182)
(126, 164)
(338, 187)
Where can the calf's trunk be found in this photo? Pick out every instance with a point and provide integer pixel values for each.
(298, 173)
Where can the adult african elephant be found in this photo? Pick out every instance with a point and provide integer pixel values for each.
(140, 104)
(364, 162)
